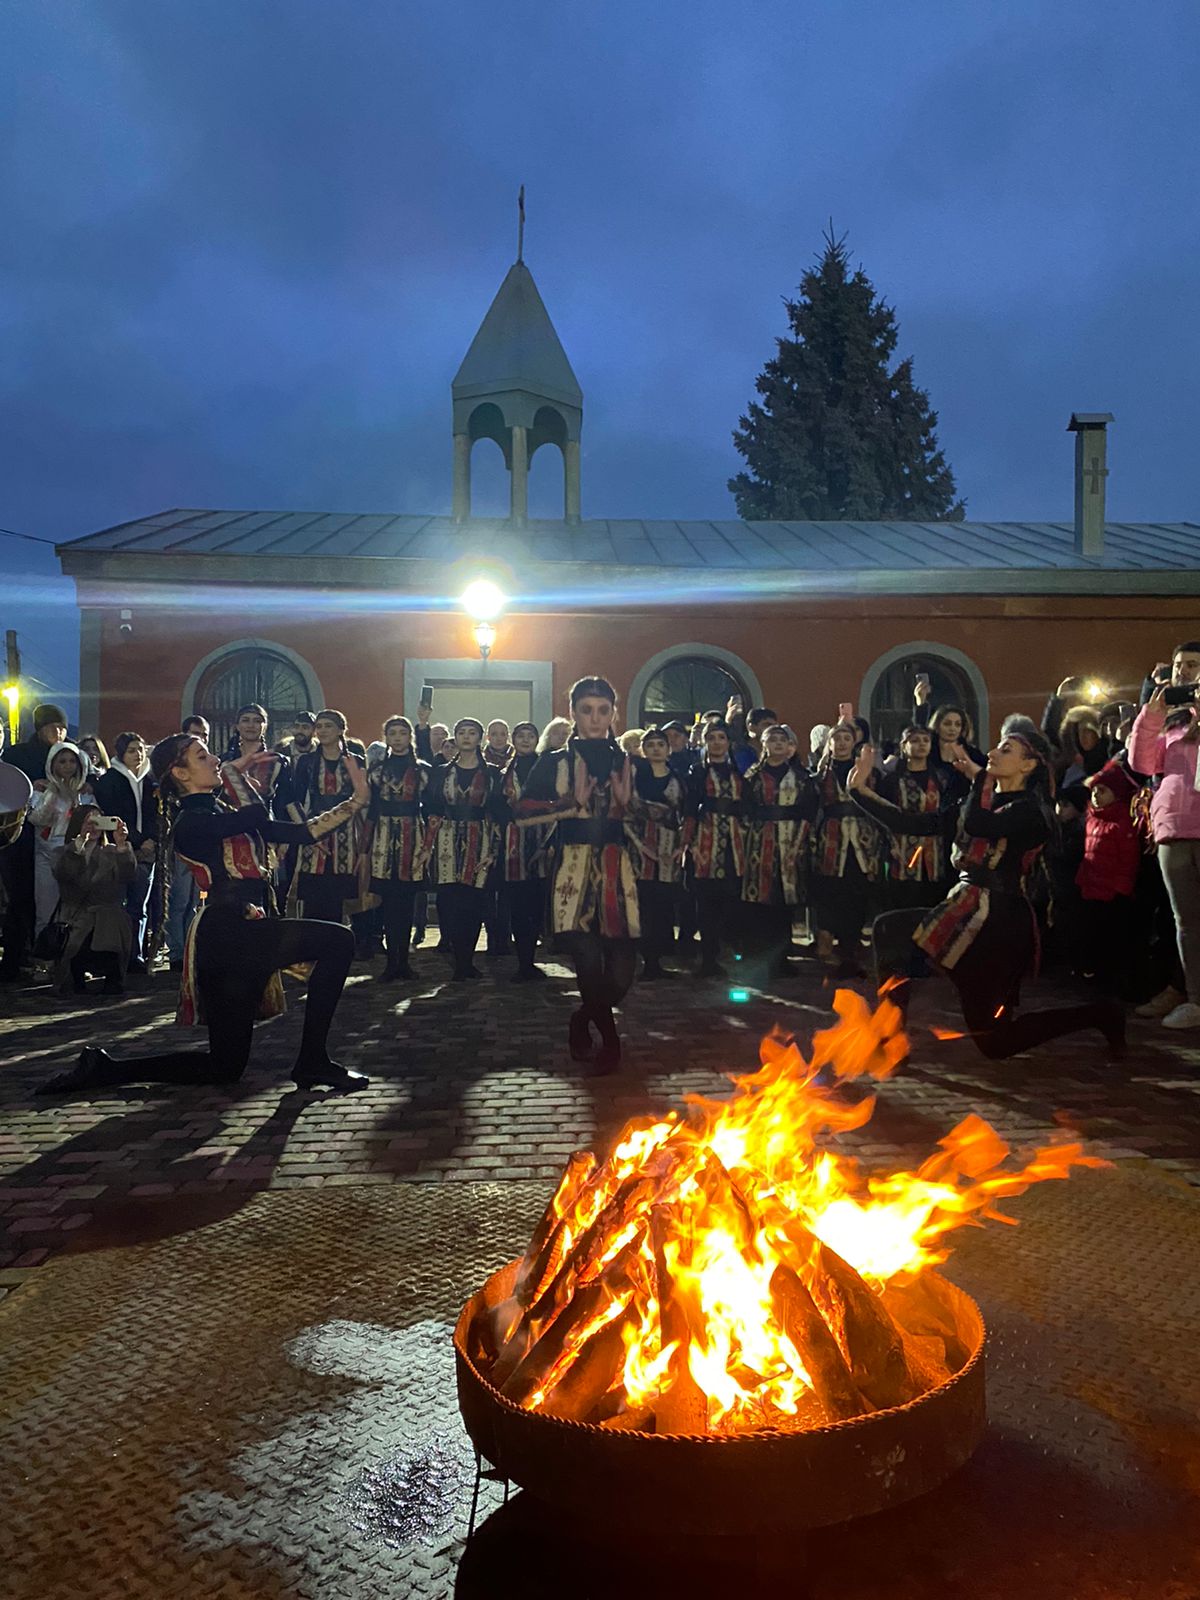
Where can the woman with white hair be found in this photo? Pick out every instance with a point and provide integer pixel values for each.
(555, 735)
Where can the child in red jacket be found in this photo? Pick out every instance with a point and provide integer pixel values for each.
(1112, 854)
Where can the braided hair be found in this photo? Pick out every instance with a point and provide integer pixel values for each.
(167, 754)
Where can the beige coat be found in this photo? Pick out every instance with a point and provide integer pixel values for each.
(92, 880)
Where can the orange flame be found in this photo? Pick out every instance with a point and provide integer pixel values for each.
(706, 1206)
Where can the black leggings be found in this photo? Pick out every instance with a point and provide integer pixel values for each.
(656, 909)
(323, 896)
(398, 901)
(767, 937)
(235, 960)
(840, 906)
(988, 979)
(525, 901)
(460, 915)
(604, 969)
(719, 911)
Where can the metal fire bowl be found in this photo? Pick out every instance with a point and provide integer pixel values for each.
(761, 1482)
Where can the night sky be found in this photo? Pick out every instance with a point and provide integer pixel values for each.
(244, 244)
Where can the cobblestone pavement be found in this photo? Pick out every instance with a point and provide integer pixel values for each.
(472, 1083)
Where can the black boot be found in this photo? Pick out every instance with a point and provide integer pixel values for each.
(328, 1075)
(579, 1036)
(608, 1057)
(95, 1069)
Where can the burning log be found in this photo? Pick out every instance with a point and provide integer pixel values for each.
(571, 1326)
(511, 1333)
(879, 1362)
(595, 1368)
(534, 1269)
(824, 1362)
(587, 1257)
(925, 1308)
(682, 1405)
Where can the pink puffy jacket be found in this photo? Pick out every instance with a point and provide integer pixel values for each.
(1175, 809)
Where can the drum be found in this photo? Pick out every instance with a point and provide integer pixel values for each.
(15, 793)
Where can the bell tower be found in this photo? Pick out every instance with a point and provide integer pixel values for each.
(516, 386)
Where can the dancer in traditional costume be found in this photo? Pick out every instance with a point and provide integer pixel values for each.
(395, 840)
(269, 778)
(919, 871)
(238, 945)
(983, 935)
(462, 839)
(327, 870)
(780, 801)
(586, 789)
(524, 858)
(845, 857)
(654, 831)
(713, 845)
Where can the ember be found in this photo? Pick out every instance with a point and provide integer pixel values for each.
(723, 1272)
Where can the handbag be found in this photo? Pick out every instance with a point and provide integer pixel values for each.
(52, 941)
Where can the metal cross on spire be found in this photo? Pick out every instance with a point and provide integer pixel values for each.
(521, 224)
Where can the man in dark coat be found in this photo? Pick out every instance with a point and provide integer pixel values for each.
(16, 859)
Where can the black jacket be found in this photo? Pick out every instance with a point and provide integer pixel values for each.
(114, 795)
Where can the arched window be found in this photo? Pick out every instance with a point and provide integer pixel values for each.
(250, 675)
(685, 685)
(953, 680)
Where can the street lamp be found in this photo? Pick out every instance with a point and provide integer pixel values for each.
(483, 602)
(12, 695)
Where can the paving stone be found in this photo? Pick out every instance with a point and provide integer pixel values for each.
(481, 1087)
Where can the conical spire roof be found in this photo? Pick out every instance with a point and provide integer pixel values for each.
(517, 348)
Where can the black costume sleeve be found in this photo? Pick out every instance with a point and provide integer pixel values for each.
(435, 793)
(1023, 821)
(198, 832)
(540, 795)
(498, 807)
(424, 743)
(921, 715)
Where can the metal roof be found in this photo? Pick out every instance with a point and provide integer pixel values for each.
(808, 547)
(517, 348)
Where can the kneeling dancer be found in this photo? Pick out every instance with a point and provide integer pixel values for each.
(983, 935)
(586, 790)
(238, 944)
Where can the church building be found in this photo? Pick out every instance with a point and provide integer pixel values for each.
(205, 610)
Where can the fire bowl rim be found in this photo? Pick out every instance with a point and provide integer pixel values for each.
(849, 1425)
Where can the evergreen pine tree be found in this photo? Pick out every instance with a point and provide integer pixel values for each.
(838, 433)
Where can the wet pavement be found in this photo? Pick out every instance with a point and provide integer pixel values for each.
(224, 1358)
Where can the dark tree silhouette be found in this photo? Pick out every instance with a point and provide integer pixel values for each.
(838, 432)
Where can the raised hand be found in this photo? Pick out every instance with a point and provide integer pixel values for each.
(864, 765)
(120, 833)
(961, 762)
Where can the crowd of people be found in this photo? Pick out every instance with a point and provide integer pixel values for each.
(682, 844)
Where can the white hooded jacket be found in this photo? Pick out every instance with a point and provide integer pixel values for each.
(50, 809)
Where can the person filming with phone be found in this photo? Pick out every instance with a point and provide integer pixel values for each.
(1164, 744)
(94, 870)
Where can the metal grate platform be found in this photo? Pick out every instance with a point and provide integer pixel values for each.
(264, 1407)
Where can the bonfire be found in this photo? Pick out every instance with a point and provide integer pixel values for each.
(726, 1271)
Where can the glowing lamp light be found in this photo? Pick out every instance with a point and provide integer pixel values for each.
(485, 638)
(482, 600)
(1096, 692)
(12, 695)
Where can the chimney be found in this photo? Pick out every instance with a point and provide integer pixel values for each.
(1091, 450)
